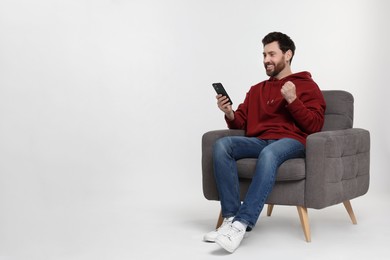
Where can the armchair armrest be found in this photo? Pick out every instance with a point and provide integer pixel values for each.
(209, 186)
(337, 166)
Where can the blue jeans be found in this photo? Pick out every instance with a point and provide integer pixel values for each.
(270, 155)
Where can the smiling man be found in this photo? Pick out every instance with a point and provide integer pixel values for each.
(277, 116)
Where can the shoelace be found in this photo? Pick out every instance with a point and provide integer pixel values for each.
(225, 223)
(234, 231)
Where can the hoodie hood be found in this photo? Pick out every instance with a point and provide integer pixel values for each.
(295, 76)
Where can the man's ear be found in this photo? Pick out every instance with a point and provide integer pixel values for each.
(288, 55)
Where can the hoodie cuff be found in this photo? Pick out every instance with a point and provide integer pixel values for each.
(296, 105)
(230, 123)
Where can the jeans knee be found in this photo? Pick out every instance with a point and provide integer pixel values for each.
(221, 146)
(267, 155)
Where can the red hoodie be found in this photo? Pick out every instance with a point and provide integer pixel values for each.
(267, 115)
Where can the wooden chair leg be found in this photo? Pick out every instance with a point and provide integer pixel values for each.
(302, 211)
(348, 206)
(269, 209)
(220, 220)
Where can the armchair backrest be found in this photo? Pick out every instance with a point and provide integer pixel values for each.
(339, 110)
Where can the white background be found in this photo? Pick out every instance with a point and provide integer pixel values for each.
(103, 105)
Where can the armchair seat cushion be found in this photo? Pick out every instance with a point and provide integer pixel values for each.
(290, 170)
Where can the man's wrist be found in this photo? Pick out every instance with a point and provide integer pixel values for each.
(290, 100)
(230, 115)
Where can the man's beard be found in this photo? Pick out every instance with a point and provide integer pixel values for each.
(277, 68)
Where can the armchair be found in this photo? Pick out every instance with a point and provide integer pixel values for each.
(335, 170)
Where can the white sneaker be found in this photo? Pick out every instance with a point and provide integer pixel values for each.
(230, 239)
(211, 236)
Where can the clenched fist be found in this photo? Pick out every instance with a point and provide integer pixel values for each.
(288, 91)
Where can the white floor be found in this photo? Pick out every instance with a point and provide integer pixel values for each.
(134, 229)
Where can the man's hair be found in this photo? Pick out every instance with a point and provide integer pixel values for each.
(284, 41)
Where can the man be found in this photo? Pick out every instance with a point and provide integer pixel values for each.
(277, 115)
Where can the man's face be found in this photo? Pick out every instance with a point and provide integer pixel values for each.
(274, 59)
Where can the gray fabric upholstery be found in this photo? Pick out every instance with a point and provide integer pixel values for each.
(337, 164)
(336, 167)
(339, 110)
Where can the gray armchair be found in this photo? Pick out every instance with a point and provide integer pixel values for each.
(336, 167)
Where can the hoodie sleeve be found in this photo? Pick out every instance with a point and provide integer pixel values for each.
(240, 116)
(308, 109)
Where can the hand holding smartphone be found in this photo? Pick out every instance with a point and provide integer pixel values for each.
(221, 90)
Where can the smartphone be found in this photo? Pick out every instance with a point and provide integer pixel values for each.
(221, 90)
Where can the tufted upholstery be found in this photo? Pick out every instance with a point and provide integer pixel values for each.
(335, 170)
(339, 110)
(342, 172)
